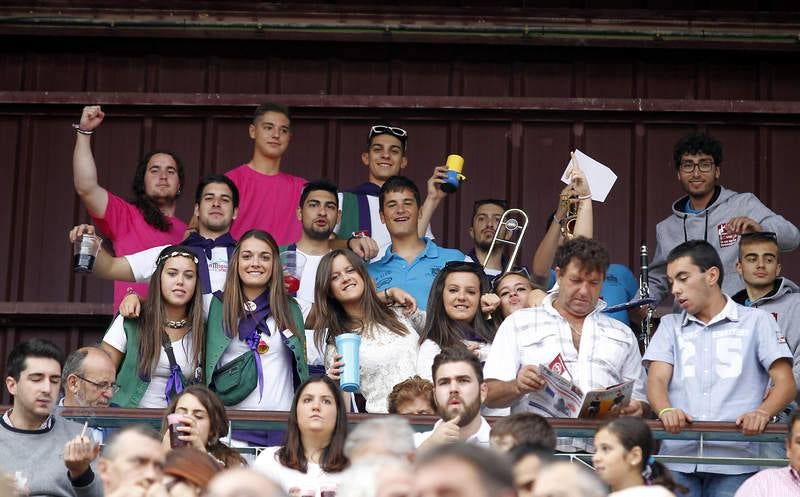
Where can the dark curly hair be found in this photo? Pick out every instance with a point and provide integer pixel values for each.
(592, 255)
(150, 211)
(697, 143)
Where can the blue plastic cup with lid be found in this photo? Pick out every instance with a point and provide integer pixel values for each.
(350, 378)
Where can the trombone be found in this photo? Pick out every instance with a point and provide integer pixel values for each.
(508, 225)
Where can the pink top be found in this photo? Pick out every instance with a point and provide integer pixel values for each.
(126, 228)
(268, 203)
(771, 482)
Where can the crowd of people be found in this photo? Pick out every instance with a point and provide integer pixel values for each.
(208, 323)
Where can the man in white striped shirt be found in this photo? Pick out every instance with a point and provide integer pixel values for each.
(598, 351)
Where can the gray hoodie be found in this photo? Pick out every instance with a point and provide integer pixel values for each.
(784, 304)
(711, 225)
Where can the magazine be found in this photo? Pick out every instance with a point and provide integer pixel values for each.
(560, 398)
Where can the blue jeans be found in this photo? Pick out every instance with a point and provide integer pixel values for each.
(709, 484)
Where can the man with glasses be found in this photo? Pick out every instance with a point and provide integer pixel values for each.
(570, 333)
(361, 225)
(712, 213)
(410, 262)
(88, 380)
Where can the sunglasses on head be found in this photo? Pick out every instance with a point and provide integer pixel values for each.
(458, 266)
(523, 271)
(382, 129)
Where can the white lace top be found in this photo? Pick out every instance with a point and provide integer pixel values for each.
(386, 359)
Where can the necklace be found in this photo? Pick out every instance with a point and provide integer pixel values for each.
(176, 324)
(577, 332)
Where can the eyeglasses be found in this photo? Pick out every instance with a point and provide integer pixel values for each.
(705, 165)
(383, 129)
(760, 236)
(103, 385)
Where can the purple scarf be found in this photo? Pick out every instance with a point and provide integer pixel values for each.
(202, 248)
(250, 328)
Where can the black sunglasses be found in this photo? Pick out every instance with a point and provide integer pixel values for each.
(457, 266)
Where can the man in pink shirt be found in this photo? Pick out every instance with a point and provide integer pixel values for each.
(268, 197)
(778, 481)
(148, 220)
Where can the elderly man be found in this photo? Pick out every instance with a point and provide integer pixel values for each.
(132, 464)
(242, 482)
(463, 470)
(571, 330)
(88, 378)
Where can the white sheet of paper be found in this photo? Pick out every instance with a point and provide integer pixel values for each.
(600, 177)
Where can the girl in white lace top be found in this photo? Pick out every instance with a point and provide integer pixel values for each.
(347, 302)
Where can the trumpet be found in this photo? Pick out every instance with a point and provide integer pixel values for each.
(644, 292)
(570, 206)
(508, 225)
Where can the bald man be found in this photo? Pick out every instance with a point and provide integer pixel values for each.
(88, 378)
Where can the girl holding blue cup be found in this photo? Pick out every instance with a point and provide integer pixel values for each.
(369, 338)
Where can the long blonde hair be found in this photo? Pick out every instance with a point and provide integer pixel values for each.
(233, 302)
(329, 314)
(154, 315)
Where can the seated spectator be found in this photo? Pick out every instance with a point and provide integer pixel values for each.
(378, 477)
(527, 459)
(566, 479)
(624, 458)
(88, 378)
(519, 428)
(313, 455)
(132, 460)
(459, 392)
(387, 437)
(160, 352)
(454, 317)
(243, 482)
(410, 262)
(412, 396)
(149, 220)
(346, 302)
(593, 350)
(255, 355)
(778, 481)
(204, 424)
(47, 454)
(515, 291)
(463, 470)
(187, 472)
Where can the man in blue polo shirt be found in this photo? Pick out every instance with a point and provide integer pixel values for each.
(410, 262)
